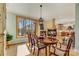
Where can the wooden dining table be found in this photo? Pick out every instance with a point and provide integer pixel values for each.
(48, 42)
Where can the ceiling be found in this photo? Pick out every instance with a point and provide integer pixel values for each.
(49, 10)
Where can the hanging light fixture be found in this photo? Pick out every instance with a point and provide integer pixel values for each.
(41, 19)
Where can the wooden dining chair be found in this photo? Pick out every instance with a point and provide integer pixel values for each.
(65, 40)
(64, 50)
(38, 44)
(63, 43)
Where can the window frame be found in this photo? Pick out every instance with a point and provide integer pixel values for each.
(25, 18)
(17, 35)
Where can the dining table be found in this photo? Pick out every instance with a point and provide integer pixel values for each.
(48, 42)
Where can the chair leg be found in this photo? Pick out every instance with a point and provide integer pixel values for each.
(54, 50)
(66, 54)
(38, 53)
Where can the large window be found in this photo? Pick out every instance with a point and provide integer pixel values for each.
(24, 26)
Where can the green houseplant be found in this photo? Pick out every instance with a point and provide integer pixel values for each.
(9, 37)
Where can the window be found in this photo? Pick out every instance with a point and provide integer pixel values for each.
(24, 26)
(28, 26)
(20, 26)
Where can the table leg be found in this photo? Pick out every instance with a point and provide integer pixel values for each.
(49, 49)
(46, 51)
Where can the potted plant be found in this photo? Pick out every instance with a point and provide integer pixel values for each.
(9, 37)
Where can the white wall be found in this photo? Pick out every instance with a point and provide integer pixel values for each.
(11, 24)
(65, 21)
(49, 10)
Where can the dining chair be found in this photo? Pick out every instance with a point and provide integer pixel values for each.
(65, 40)
(63, 50)
(38, 45)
